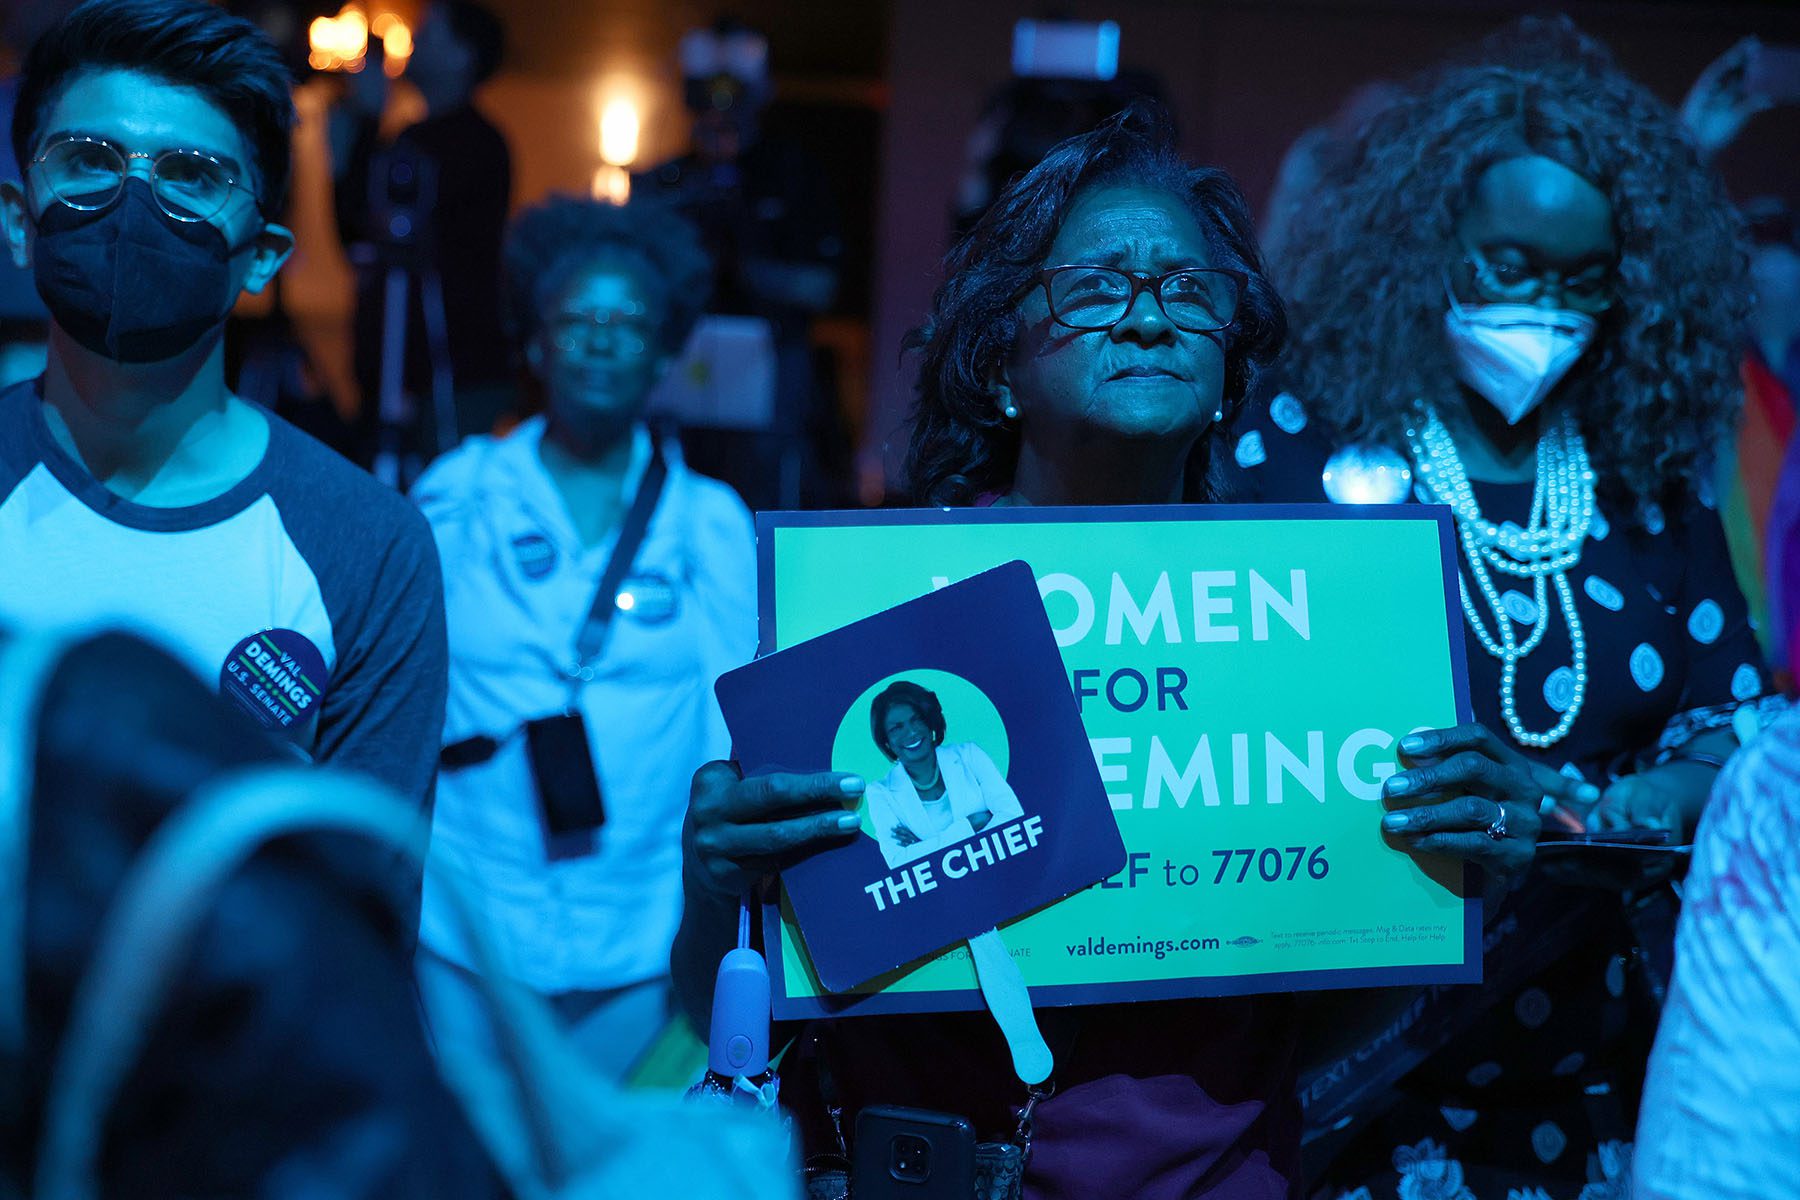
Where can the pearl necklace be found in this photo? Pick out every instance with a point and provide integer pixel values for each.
(1562, 509)
(937, 777)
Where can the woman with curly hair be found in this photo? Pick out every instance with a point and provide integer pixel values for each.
(1092, 331)
(1517, 293)
(570, 826)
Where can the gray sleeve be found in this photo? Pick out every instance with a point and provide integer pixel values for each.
(377, 567)
(383, 713)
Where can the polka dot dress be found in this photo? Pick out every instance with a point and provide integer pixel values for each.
(1667, 629)
(1506, 1109)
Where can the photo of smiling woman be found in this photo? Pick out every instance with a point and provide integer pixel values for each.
(935, 795)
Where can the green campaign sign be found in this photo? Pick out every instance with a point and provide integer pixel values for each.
(1244, 674)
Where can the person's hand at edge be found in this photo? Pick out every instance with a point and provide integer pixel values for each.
(1720, 103)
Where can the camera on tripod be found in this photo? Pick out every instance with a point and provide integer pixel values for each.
(403, 187)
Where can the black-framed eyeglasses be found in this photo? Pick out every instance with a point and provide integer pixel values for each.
(89, 174)
(1591, 290)
(1195, 299)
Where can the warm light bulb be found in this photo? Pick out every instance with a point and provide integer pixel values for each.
(396, 40)
(337, 43)
(619, 127)
(612, 184)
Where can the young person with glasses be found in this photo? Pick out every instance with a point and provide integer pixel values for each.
(136, 489)
(1517, 292)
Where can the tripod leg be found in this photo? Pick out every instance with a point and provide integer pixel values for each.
(392, 410)
(437, 341)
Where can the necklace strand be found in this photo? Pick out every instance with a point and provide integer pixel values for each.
(1562, 511)
(937, 777)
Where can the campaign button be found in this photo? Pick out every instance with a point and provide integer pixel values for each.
(535, 554)
(277, 676)
(649, 599)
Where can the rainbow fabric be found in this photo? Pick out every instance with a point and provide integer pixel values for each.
(1747, 482)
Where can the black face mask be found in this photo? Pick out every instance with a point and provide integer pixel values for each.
(130, 281)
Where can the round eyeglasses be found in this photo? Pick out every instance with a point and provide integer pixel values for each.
(1588, 291)
(625, 334)
(1197, 300)
(88, 174)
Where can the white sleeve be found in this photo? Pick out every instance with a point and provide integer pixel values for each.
(1721, 1110)
(882, 819)
(1001, 799)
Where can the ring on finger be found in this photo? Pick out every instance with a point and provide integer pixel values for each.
(1497, 827)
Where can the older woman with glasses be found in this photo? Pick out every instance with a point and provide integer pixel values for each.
(1093, 329)
(595, 588)
(1518, 293)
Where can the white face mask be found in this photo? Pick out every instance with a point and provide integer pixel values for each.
(1513, 354)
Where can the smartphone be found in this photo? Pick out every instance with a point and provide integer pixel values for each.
(1774, 73)
(912, 1154)
(1065, 49)
(562, 766)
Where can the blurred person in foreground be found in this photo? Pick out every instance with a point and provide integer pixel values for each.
(1721, 1115)
(284, 1055)
(1517, 292)
(770, 224)
(458, 47)
(1092, 331)
(603, 298)
(136, 489)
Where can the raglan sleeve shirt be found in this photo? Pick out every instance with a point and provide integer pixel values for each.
(307, 557)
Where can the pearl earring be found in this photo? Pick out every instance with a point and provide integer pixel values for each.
(1011, 411)
(1218, 414)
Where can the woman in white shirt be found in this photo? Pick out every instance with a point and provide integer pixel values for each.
(935, 795)
(603, 298)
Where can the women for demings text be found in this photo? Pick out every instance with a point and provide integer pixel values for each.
(1221, 606)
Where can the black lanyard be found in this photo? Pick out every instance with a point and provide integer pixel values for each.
(592, 638)
(598, 622)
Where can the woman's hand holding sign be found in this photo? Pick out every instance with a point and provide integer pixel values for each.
(738, 829)
(1466, 794)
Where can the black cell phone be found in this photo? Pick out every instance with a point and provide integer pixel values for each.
(562, 766)
(912, 1154)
